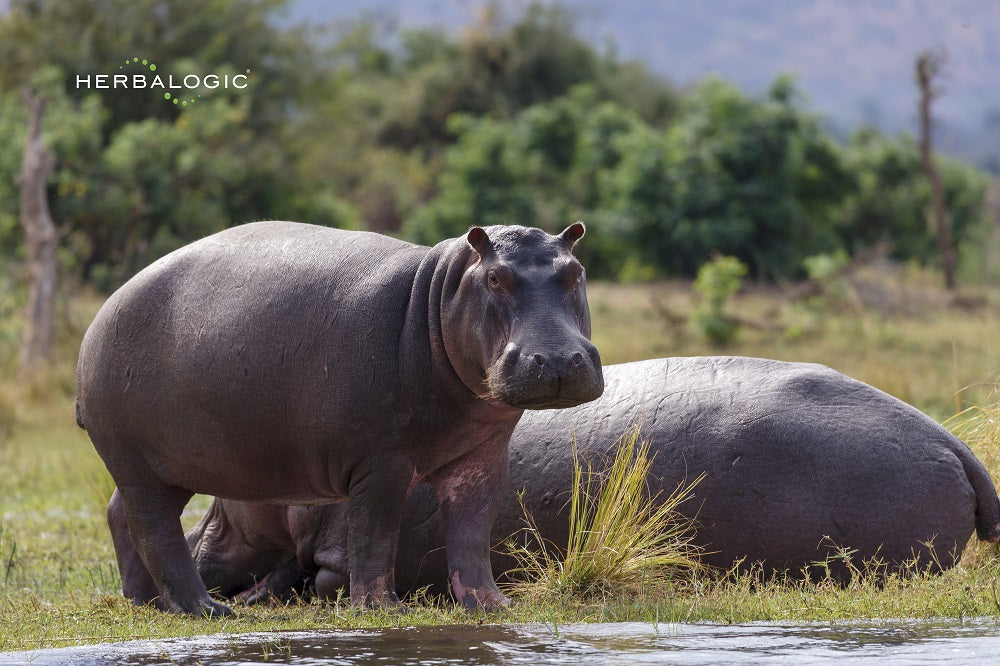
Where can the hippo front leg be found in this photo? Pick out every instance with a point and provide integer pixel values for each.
(468, 492)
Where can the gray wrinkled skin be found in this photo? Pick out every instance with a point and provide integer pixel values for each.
(295, 364)
(798, 461)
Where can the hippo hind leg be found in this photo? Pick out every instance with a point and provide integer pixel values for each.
(152, 510)
(374, 511)
(137, 584)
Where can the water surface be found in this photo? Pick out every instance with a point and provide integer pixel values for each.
(884, 642)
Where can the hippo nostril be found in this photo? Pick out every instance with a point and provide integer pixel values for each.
(538, 359)
(577, 358)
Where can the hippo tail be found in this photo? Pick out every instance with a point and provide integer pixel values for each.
(987, 502)
(79, 413)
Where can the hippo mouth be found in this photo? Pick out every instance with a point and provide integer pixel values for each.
(532, 385)
(556, 403)
(556, 400)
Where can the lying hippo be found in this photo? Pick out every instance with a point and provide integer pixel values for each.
(295, 364)
(799, 461)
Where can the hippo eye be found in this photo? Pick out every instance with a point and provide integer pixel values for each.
(500, 278)
(571, 276)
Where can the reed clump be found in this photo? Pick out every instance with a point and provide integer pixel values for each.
(622, 539)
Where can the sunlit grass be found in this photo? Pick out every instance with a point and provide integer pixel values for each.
(979, 427)
(622, 539)
(903, 335)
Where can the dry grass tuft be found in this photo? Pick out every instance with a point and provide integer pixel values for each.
(621, 538)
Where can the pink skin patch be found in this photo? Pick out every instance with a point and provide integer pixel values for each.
(485, 598)
(994, 535)
(452, 489)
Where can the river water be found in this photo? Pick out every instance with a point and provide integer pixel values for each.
(884, 642)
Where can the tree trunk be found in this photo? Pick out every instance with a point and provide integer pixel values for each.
(928, 66)
(41, 239)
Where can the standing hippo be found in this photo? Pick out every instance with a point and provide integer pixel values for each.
(799, 462)
(296, 364)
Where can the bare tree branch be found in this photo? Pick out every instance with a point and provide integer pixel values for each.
(928, 68)
(41, 239)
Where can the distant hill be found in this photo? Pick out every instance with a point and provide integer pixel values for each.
(853, 58)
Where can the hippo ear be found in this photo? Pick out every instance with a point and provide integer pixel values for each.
(479, 241)
(573, 233)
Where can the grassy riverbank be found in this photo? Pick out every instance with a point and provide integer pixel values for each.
(59, 584)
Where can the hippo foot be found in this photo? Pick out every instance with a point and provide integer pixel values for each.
(379, 594)
(394, 606)
(993, 535)
(258, 593)
(204, 607)
(485, 597)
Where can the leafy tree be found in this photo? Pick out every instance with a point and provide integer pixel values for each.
(397, 102)
(423, 133)
(71, 130)
(484, 181)
(759, 180)
(546, 167)
(890, 202)
(89, 37)
(497, 69)
(136, 175)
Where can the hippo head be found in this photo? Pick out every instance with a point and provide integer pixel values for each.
(522, 311)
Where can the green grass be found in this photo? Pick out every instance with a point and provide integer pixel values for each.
(895, 330)
(59, 584)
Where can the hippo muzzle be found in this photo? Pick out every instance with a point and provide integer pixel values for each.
(530, 377)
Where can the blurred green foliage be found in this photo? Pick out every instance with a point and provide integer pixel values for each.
(422, 133)
(718, 280)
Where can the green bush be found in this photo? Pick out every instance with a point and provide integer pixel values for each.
(718, 280)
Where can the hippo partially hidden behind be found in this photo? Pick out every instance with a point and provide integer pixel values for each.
(290, 363)
(799, 462)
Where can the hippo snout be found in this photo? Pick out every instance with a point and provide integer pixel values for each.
(536, 377)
